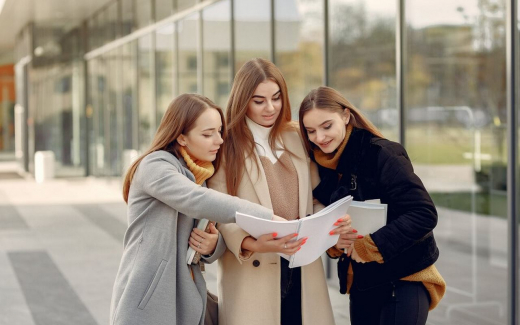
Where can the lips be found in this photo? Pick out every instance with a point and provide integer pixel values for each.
(268, 117)
(214, 151)
(324, 144)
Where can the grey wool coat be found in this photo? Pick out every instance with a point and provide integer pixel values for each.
(153, 285)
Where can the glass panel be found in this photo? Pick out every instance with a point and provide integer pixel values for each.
(252, 31)
(163, 9)
(456, 138)
(129, 102)
(217, 67)
(102, 20)
(112, 114)
(188, 40)
(185, 4)
(362, 58)
(128, 21)
(143, 13)
(165, 68)
(112, 22)
(99, 115)
(7, 102)
(146, 107)
(299, 47)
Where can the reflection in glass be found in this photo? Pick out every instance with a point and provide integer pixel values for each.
(129, 93)
(299, 46)
(455, 127)
(188, 62)
(113, 147)
(185, 4)
(252, 31)
(163, 9)
(146, 92)
(128, 20)
(217, 66)
(143, 13)
(165, 68)
(362, 58)
(112, 22)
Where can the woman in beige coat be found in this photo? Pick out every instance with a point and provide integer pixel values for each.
(265, 162)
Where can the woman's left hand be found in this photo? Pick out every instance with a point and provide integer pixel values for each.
(204, 242)
(354, 255)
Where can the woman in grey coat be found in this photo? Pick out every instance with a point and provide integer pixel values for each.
(154, 285)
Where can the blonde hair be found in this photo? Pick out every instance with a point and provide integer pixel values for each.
(179, 118)
(331, 100)
(241, 141)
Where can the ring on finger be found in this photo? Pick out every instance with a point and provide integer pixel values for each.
(285, 245)
(198, 245)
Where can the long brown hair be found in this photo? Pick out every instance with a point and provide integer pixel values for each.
(331, 100)
(180, 118)
(241, 143)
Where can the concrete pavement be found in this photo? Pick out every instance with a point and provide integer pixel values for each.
(61, 243)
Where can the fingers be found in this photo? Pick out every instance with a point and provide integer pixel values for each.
(287, 238)
(198, 234)
(212, 228)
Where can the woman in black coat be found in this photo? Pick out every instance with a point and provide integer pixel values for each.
(390, 273)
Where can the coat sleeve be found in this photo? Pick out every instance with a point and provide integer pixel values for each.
(219, 250)
(161, 179)
(232, 233)
(406, 196)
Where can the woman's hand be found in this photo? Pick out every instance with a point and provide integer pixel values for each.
(269, 244)
(204, 242)
(344, 226)
(354, 255)
(348, 239)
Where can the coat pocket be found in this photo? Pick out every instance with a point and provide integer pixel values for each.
(153, 284)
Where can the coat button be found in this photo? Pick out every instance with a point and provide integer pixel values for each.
(256, 263)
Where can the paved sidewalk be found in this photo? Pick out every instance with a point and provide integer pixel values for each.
(61, 243)
(60, 247)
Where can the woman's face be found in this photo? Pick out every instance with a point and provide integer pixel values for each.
(325, 128)
(265, 105)
(204, 140)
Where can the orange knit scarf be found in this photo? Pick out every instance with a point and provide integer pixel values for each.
(202, 170)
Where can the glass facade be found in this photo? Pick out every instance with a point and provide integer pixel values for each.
(438, 77)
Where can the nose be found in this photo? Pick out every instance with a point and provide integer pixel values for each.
(219, 139)
(270, 106)
(320, 136)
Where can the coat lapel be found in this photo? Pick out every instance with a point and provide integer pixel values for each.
(258, 180)
(292, 141)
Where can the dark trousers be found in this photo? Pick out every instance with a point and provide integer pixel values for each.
(291, 294)
(397, 303)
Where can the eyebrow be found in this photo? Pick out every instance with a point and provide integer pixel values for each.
(209, 129)
(327, 121)
(258, 96)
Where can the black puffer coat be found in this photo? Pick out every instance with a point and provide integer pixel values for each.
(375, 168)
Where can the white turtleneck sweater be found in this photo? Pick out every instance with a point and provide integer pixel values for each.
(261, 136)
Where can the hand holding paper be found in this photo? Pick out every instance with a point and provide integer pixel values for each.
(316, 228)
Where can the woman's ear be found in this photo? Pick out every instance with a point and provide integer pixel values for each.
(181, 140)
(346, 115)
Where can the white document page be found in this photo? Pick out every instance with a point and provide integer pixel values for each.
(315, 227)
(367, 217)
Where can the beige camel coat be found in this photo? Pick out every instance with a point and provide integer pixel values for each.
(249, 285)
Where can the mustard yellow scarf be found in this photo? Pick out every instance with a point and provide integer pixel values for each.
(202, 170)
(330, 160)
